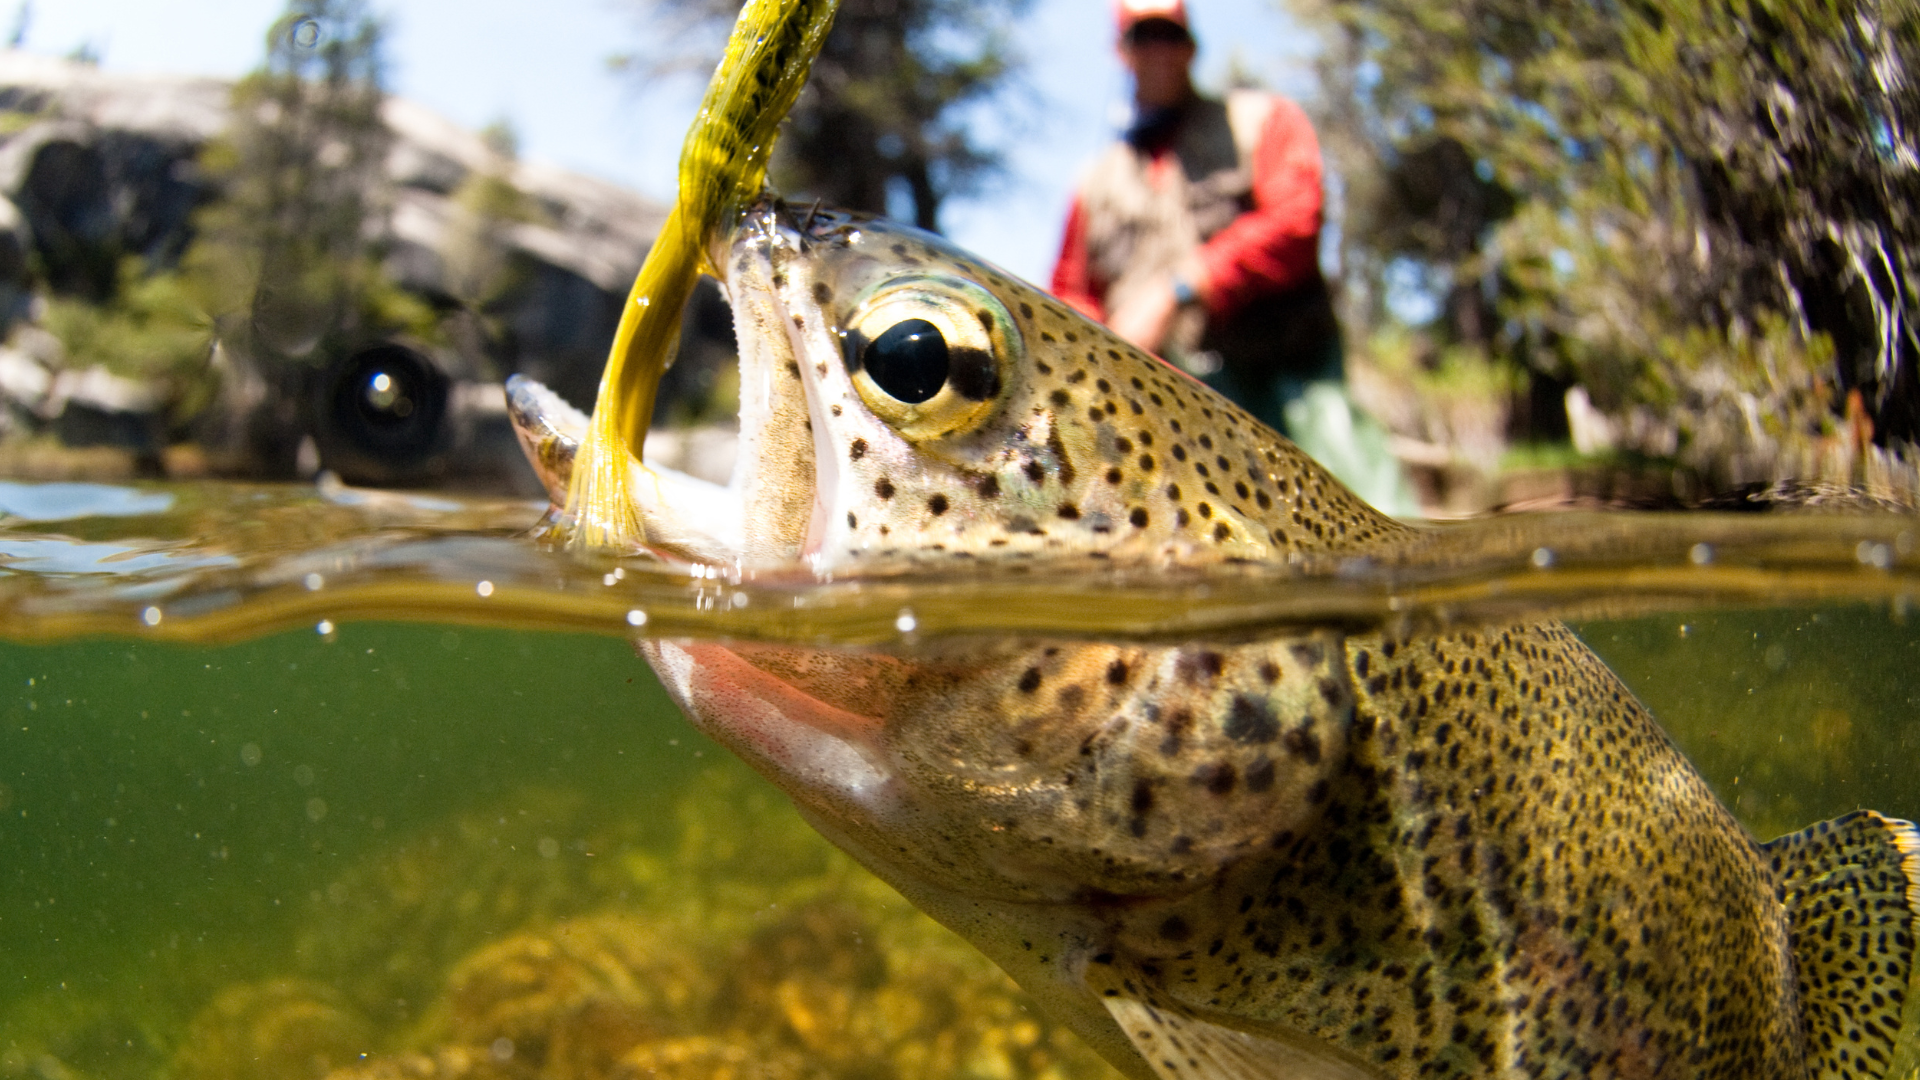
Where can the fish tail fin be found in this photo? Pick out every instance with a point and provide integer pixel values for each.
(1851, 887)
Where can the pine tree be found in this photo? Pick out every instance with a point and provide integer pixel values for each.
(884, 122)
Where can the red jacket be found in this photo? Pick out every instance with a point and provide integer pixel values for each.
(1269, 249)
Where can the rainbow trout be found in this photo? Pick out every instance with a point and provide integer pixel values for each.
(1330, 854)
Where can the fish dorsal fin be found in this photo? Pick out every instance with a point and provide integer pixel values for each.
(1181, 1045)
(1852, 892)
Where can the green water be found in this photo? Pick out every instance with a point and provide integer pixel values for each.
(233, 849)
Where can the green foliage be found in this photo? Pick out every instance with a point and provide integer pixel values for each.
(153, 330)
(479, 270)
(891, 103)
(1648, 199)
(281, 260)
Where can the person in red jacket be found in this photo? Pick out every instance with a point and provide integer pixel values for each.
(1196, 235)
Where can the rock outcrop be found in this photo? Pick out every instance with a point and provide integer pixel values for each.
(98, 166)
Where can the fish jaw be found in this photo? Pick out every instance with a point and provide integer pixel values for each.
(686, 519)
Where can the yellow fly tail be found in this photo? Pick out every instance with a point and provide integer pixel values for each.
(723, 166)
(600, 491)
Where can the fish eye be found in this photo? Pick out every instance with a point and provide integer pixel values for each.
(909, 361)
(929, 353)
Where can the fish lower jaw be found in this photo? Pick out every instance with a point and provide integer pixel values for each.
(687, 518)
(819, 759)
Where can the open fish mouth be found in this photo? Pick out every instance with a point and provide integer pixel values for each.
(764, 514)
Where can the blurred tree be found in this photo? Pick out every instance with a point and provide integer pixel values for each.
(1700, 210)
(480, 269)
(884, 123)
(283, 260)
(152, 331)
(282, 257)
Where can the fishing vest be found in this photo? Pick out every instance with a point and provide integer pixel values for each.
(1144, 223)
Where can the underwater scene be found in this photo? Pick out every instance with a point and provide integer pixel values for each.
(317, 782)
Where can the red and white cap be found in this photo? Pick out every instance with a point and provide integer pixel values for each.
(1129, 13)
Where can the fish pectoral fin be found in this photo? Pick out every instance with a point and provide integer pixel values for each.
(1179, 1044)
(1852, 894)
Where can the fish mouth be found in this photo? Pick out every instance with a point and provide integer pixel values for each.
(769, 514)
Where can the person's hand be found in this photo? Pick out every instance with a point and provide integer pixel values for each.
(1145, 318)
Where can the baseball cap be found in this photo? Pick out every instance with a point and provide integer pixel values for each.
(1128, 14)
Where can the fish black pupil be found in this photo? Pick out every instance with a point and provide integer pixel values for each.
(909, 361)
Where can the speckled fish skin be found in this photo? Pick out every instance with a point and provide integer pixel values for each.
(1327, 855)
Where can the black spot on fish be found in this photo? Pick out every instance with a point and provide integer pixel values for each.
(1061, 398)
(1302, 743)
(821, 294)
(988, 487)
(1260, 775)
(1117, 673)
(1179, 722)
(1250, 720)
(1069, 511)
(1138, 517)
(1026, 310)
(857, 449)
(1217, 777)
(937, 503)
(883, 487)
(1029, 680)
(1034, 471)
(1192, 667)
(972, 373)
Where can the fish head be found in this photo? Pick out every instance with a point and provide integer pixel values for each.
(905, 404)
(938, 408)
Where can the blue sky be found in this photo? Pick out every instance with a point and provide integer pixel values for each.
(543, 67)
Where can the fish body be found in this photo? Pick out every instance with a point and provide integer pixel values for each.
(1326, 854)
